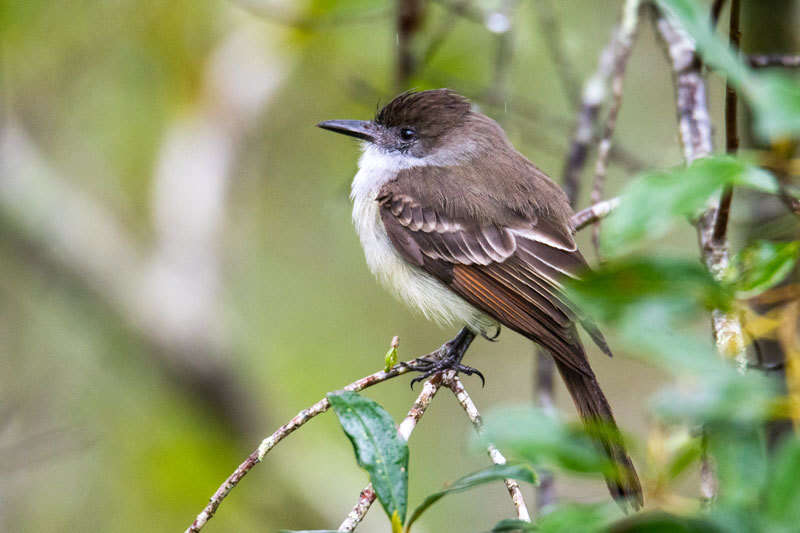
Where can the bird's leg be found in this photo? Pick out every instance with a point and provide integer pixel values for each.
(449, 357)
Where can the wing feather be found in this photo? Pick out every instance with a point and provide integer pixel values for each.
(511, 272)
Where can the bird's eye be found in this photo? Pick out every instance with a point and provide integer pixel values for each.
(407, 134)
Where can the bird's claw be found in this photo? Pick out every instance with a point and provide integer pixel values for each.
(429, 367)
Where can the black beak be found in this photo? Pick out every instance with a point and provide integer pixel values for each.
(361, 129)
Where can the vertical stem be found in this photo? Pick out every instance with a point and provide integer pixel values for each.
(731, 130)
(545, 394)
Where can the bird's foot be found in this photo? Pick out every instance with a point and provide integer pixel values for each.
(448, 357)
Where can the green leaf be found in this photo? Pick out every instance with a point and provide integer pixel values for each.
(308, 531)
(689, 452)
(379, 449)
(654, 302)
(652, 203)
(721, 398)
(661, 522)
(782, 491)
(493, 473)
(763, 265)
(538, 438)
(609, 292)
(570, 517)
(740, 460)
(390, 359)
(514, 524)
(773, 96)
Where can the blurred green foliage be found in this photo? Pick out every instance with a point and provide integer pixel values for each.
(98, 434)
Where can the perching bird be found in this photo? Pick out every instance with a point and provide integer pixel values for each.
(464, 228)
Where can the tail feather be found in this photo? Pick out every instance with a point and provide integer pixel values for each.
(595, 412)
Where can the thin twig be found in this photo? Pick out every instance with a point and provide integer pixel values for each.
(367, 496)
(774, 60)
(454, 383)
(624, 38)
(593, 213)
(281, 433)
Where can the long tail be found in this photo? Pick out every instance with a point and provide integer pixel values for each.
(596, 414)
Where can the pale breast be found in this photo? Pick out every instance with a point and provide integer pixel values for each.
(408, 282)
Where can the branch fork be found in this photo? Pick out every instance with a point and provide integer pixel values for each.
(367, 496)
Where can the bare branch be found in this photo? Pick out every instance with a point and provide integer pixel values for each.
(367, 496)
(365, 500)
(593, 213)
(731, 131)
(774, 60)
(454, 383)
(281, 433)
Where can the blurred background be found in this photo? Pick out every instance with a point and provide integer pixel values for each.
(179, 274)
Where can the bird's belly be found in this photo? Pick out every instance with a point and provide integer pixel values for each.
(408, 282)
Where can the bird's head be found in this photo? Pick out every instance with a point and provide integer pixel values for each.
(414, 124)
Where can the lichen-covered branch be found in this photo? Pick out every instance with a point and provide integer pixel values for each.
(696, 136)
(454, 383)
